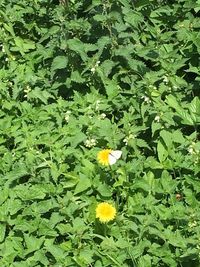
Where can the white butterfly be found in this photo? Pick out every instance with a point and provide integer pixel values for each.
(113, 156)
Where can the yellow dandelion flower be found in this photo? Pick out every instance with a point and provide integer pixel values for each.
(103, 156)
(108, 156)
(105, 212)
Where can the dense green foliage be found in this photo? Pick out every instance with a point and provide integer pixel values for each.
(80, 76)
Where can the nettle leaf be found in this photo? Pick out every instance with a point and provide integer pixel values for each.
(185, 116)
(33, 243)
(15, 205)
(70, 181)
(105, 128)
(80, 48)
(112, 88)
(104, 190)
(162, 152)
(23, 45)
(58, 253)
(44, 206)
(167, 138)
(142, 143)
(30, 192)
(194, 109)
(77, 139)
(14, 175)
(83, 184)
(177, 137)
(4, 193)
(43, 96)
(2, 231)
(77, 77)
(107, 66)
(59, 62)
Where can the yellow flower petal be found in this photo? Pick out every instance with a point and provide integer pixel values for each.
(105, 212)
(103, 156)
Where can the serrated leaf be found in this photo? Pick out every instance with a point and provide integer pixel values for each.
(104, 190)
(33, 243)
(162, 152)
(59, 62)
(83, 184)
(2, 231)
(167, 138)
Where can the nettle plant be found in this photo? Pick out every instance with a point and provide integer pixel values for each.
(99, 133)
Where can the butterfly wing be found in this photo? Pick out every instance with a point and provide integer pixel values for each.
(114, 156)
(116, 153)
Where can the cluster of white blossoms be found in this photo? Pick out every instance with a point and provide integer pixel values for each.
(97, 104)
(93, 69)
(192, 224)
(90, 142)
(67, 115)
(27, 90)
(192, 149)
(2, 49)
(165, 79)
(128, 138)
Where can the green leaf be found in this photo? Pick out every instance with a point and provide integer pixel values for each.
(58, 253)
(33, 243)
(162, 152)
(77, 139)
(83, 184)
(37, 93)
(104, 190)
(2, 231)
(30, 192)
(59, 62)
(167, 138)
(24, 45)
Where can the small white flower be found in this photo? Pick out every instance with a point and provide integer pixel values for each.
(93, 70)
(97, 104)
(27, 89)
(128, 138)
(102, 116)
(165, 79)
(192, 149)
(125, 141)
(192, 224)
(146, 99)
(3, 49)
(67, 115)
(157, 118)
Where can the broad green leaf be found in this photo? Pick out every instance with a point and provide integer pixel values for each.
(162, 152)
(59, 62)
(30, 192)
(33, 243)
(104, 190)
(83, 184)
(58, 253)
(167, 138)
